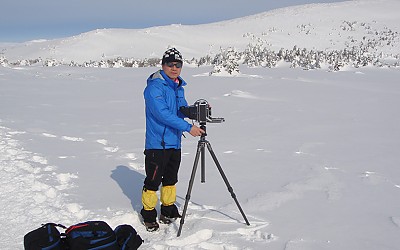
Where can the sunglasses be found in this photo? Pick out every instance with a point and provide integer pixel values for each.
(177, 64)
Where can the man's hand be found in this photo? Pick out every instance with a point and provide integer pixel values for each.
(196, 131)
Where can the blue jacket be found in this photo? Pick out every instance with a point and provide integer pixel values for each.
(164, 122)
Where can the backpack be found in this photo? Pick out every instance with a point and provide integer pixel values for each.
(87, 235)
(45, 237)
(127, 237)
(91, 235)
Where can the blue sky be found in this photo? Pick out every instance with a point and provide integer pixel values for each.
(23, 20)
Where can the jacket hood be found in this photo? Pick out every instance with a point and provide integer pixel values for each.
(160, 77)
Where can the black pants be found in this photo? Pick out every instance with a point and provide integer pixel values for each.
(161, 166)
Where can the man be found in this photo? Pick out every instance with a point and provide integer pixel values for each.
(164, 95)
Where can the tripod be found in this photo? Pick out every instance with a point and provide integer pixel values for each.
(201, 152)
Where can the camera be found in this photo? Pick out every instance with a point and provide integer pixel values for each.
(200, 111)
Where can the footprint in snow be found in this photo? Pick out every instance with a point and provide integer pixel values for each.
(107, 147)
(254, 233)
(131, 156)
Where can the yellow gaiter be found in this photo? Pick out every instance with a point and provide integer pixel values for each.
(149, 199)
(168, 195)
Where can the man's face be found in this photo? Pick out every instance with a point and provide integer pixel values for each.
(171, 69)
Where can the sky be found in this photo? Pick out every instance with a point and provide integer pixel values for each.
(24, 20)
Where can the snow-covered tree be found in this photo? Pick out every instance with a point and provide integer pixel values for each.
(3, 61)
(226, 61)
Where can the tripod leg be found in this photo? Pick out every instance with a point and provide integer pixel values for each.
(203, 164)
(230, 189)
(200, 146)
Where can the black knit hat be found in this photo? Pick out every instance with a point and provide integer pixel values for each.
(172, 55)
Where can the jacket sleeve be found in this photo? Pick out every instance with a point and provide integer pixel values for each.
(157, 105)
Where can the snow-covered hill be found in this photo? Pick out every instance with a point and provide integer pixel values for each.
(314, 26)
(312, 155)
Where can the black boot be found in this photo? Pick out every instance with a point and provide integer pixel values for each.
(169, 214)
(149, 219)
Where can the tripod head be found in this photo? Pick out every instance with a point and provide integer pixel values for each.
(202, 125)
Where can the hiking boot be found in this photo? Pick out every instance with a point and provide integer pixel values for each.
(170, 212)
(167, 220)
(151, 226)
(149, 219)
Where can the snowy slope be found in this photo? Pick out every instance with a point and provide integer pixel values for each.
(312, 155)
(314, 26)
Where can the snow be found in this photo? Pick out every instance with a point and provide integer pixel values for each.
(312, 155)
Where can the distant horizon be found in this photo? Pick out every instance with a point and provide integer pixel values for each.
(47, 20)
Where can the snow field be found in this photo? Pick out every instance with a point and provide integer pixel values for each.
(311, 156)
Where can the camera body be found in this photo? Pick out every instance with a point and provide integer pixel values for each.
(200, 111)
